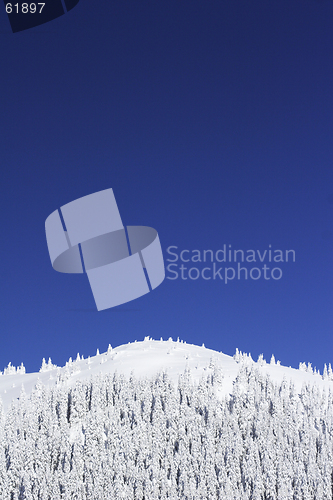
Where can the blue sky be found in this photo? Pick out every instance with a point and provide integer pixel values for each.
(212, 122)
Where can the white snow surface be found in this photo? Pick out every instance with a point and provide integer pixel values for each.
(146, 359)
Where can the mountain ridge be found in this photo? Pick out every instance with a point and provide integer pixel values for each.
(147, 358)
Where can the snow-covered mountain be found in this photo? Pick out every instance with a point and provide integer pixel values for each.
(166, 420)
(148, 358)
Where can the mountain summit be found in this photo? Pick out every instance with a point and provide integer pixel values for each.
(147, 358)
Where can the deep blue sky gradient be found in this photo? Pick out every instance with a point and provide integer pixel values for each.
(212, 121)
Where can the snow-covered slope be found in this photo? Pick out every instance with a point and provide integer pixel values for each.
(146, 359)
(91, 431)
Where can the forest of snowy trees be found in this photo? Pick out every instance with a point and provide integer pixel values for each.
(120, 438)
